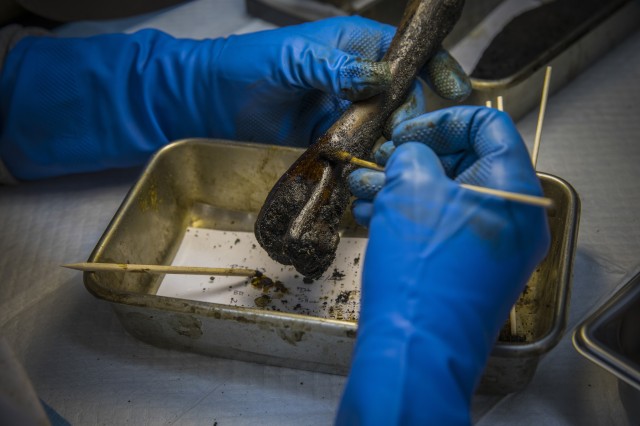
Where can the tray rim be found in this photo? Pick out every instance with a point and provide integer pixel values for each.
(588, 345)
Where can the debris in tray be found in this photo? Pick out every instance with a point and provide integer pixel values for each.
(334, 295)
(265, 284)
(337, 275)
(262, 301)
(343, 297)
(506, 336)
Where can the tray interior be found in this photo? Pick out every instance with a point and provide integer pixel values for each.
(222, 185)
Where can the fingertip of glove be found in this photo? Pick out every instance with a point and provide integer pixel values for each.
(361, 79)
(412, 158)
(362, 211)
(447, 78)
(382, 154)
(365, 184)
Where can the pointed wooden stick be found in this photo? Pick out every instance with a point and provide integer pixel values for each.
(533, 200)
(344, 156)
(534, 159)
(513, 196)
(162, 269)
(543, 108)
(513, 317)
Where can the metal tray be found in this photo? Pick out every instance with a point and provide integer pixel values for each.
(232, 176)
(521, 91)
(610, 337)
(568, 57)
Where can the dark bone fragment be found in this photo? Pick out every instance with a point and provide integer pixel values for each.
(298, 223)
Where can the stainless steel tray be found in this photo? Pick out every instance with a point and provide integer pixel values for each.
(521, 91)
(569, 56)
(236, 177)
(610, 337)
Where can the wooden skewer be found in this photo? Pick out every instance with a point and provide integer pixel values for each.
(513, 317)
(162, 269)
(348, 158)
(513, 321)
(543, 108)
(513, 196)
(534, 160)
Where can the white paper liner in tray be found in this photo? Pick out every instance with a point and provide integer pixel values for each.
(335, 295)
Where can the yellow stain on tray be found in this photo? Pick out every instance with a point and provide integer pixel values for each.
(149, 199)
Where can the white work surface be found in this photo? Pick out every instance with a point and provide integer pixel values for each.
(84, 365)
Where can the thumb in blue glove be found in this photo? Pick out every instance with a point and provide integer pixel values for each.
(442, 268)
(75, 105)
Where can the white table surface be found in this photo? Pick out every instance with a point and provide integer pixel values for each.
(84, 365)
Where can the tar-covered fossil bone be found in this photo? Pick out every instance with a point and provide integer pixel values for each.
(298, 223)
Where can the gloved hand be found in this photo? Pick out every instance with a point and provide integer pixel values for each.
(443, 266)
(75, 105)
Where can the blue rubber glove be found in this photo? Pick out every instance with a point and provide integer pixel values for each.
(442, 268)
(76, 105)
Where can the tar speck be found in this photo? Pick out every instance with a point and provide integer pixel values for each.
(236, 241)
(280, 287)
(337, 275)
(506, 336)
(211, 279)
(262, 301)
(261, 281)
(307, 280)
(265, 284)
(343, 297)
(356, 261)
(253, 246)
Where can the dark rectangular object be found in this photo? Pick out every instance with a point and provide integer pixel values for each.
(610, 337)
